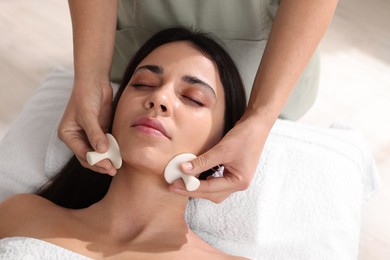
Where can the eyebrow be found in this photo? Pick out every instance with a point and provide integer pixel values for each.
(153, 68)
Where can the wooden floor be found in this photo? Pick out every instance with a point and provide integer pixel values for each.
(355, 83)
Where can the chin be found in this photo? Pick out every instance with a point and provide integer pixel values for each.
(148, 158)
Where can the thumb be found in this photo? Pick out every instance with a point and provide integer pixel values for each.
(201, 163)
(95, 135)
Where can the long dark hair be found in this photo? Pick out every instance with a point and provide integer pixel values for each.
(78, 187)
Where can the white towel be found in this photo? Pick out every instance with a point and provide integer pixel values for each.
(304, 202)
(28, 248)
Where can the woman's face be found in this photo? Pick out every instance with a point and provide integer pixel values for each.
(174, 103)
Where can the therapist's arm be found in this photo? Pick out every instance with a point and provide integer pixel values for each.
(88, 111)
(297, 30)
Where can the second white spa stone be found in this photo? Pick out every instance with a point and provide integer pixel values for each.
(172, 171)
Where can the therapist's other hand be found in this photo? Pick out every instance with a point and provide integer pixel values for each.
(86, 119)
(239, 152)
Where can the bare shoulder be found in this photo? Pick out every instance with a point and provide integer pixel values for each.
(200, 249)
(211, 253)
(21, 202)
(19, 211)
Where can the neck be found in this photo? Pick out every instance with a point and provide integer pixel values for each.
(139, 203)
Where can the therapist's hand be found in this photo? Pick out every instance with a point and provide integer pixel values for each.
(239, 152)
(86, 119)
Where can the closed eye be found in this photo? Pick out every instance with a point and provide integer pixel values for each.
(196, 102)
(141, 85)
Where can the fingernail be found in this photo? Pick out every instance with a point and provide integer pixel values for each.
(187, 166)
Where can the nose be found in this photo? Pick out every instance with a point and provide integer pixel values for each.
(160, 101)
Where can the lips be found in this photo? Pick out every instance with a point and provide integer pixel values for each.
(150, 125)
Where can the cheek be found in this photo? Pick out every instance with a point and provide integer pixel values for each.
(198, 134)
(146, 157)
(118, 119)
(124, 113)
(217, 126)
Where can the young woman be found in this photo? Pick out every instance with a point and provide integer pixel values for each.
(180, 93)
(271, 40)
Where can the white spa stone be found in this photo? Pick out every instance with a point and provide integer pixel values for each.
(172, 171)
(113, 154)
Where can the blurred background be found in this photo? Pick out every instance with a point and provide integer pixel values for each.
(354, 89)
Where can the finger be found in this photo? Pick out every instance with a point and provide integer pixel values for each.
(107, 167)
(95, 134)
(76, 141)
(202, 163)
(213, 189)
(103, 166)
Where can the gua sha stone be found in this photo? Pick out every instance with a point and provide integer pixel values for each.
(172, 171)
(113, 154)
